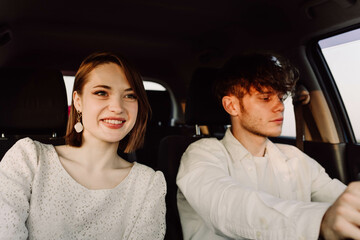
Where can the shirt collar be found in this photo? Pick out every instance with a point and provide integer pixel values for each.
(273, 151)
(234, 147)
(239, 152)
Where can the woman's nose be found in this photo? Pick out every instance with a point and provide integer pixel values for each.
(116, 106)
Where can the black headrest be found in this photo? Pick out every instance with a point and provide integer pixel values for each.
(160, 103)
(32, 101)
(202, 107)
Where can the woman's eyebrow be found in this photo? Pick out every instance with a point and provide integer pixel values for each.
(102, 86)
(108, 87)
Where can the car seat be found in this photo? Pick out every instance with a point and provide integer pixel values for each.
(165, 120)
(201, 109)
(33, 104)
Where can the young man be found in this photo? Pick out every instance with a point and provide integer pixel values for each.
(245, 186)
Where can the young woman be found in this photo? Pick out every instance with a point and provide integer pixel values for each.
(84, 190)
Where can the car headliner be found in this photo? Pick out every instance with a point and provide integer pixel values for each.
(164, 39)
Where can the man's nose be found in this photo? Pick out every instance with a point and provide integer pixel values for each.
(279, 105)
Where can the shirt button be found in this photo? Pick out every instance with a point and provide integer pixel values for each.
(258, 234)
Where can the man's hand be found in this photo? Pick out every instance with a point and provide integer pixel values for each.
(342, 219)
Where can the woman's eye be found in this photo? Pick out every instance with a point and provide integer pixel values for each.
(131, 96)
(101, 93)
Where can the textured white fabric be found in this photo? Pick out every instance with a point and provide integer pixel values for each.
(225, 193)
(40, 200)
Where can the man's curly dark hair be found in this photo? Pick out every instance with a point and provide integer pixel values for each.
(260, 71)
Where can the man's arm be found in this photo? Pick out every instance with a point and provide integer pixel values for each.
(342, 219)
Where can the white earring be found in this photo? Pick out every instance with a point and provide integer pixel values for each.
(78, 126)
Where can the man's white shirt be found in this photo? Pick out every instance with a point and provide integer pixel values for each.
(226, 193)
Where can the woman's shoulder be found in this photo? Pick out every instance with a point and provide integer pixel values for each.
(24, 143)
(25, 146)
(26, 149)
(148, 181)
(146, 171)
(148, 174)
(30, 144)
(23, 157)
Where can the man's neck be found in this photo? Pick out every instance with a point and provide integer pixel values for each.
(255, 144)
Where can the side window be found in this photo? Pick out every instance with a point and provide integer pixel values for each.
(342, 54)
(69, 83)
(289, 128)
(153, 86)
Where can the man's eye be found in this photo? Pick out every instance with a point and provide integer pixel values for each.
(283, 97)
(265, 98)
(100, 93)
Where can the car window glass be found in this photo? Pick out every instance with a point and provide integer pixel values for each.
(69, 83)
(288, 129)
(342, 54)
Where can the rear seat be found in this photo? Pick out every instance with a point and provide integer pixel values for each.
(33, 103)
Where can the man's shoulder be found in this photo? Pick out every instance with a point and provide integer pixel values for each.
(290, 151)
(206, 144)
(206, 149)
(286, 147)
(201, 155)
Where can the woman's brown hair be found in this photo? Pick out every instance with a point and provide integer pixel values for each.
(135, 138)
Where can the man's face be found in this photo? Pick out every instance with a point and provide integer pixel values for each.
(261, 113)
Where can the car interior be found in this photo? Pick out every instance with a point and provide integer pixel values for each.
(180, 45)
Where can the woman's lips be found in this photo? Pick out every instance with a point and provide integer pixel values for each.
(113, 123)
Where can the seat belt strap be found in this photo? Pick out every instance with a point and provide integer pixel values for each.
(301, 98)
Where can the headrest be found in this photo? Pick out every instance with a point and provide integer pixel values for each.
(32, 101)
(160, 103)
(202, 107)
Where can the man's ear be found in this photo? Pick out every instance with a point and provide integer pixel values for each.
(77, 101)
(231, 105)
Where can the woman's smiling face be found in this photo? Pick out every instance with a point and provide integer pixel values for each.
(108, 104)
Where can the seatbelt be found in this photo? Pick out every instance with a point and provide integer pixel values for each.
(301, 98)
